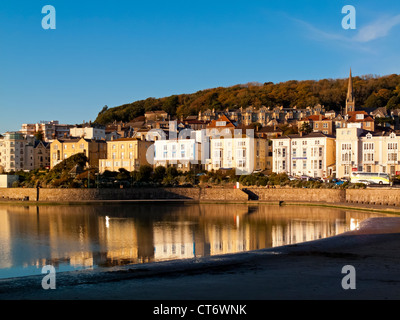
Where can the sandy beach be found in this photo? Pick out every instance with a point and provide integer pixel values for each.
(310, 270)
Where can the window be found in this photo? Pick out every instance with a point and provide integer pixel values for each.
(241, 163)
(304, 152)
(392, 156)
(304, 165)
(241, 153)
(320, 152)
(368, 157)
(368, 146)
(294, 165)
(392, 146)
(294, 152)
(346, 146)
(320, 164)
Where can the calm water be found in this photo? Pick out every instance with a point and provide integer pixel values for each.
(80, 237)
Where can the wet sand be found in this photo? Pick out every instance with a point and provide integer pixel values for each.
(311, 270)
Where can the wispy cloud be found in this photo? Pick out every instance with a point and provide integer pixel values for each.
(377, 29)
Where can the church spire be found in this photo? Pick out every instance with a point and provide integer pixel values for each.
(350, 103)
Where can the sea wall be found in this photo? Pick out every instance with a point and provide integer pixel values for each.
(376, 196)
(297, 194)
(62, 195)
(382, 196)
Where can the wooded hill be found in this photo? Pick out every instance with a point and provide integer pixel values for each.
(370, 92)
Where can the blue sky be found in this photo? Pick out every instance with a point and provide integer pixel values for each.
(116, 52)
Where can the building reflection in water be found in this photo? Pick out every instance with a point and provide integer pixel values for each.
(76, 237)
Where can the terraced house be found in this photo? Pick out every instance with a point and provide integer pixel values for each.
(61, 149)
(310, 155)
(126, 153)
(16, 152)
(361, 150)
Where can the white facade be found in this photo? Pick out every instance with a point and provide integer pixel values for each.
(88, 133)
(348, 151)
(310, 155)
(358, 150)
(181, 153)
(232, 153)
(16, 152)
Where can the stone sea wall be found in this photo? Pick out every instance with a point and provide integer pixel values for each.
(63, 195)
(297, 194)
(381, 196)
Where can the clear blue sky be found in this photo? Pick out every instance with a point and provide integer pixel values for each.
(116, 52)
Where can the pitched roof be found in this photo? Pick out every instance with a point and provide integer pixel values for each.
(228, 123)
(353, 116)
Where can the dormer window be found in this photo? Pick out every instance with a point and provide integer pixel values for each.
(359, 116)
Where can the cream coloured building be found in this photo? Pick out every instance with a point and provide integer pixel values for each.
(184, 154)
(16, 152)
(61, 149)
(348, 151)
(360, 150)
(311, 155)
(241, 152)
(50, 129)
(126, 153)
(88, 133)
